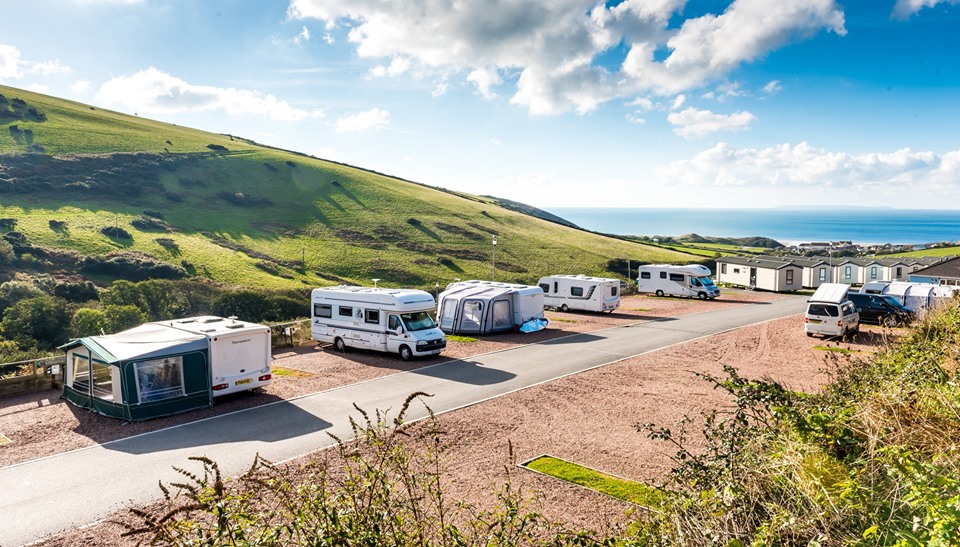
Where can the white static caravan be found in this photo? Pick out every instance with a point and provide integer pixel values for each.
(390, 320)
(668, 279)
(239, 351)
(759, 273)
(487, 307)
(580, 292)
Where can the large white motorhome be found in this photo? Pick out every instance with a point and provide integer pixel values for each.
(390, 320)
(580, 292)
(239, 351)
(685, 280)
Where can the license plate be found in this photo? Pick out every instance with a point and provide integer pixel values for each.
(245, 381)
(816, 321)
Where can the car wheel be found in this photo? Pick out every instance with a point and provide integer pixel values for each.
(340, 345)
(659, 292)
(810, 334)
(405, 353)
(890, 321)
(564, 308)
(702, 295)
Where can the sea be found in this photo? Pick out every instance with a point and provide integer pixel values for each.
(789, 226)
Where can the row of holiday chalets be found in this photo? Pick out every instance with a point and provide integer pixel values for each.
(791, 273)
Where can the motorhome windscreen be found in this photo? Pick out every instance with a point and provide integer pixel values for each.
(417, 321)
(706, 281)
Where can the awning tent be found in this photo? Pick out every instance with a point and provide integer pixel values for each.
(487, 307)
(146, 372)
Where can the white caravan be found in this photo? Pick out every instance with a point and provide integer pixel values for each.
(239, 352)
(668, 279)
(580, 292)
(390, 320)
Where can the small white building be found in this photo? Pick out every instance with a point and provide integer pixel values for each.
(760, 273)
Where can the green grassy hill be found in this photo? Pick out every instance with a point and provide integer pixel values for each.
(80, 184)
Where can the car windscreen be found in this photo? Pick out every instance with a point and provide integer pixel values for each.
(417, 321)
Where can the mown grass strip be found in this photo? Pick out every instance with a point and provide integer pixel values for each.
(290, 372)
(623, 489)
(836, 349)
(464, 339)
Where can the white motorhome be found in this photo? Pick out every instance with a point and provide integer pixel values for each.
(669, 279)
(390, 320)
(580, 292)
(239, 351)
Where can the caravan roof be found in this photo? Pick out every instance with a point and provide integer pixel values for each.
(831, 292)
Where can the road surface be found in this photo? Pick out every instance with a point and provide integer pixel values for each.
(43, 497)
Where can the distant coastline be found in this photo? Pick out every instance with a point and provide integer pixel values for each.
(788, 225)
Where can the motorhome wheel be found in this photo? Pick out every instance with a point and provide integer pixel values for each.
(564, 308)
(702, 295)
(659, 292)
(339, 345)
(405, 353)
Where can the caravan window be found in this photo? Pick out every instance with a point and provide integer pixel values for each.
(675, 277)
(545, 287)
(345, 311)
(371, 316)
(663, 275)
(160, 379)
(322, 310)
(81, 373)
(576, 291)
(102, 381)
(644, 275)
(613, 291)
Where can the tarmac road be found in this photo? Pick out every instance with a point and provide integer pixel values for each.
(46, 496)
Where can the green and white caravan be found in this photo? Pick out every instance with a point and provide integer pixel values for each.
(167, 367)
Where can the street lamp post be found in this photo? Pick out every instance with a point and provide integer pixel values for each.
(375, 281)
(494, 278)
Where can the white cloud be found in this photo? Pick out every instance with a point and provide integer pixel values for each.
(152, 90)
(303, 36)
(327, 153)
(694, 123)
(80, 86)
(371, 120)
(678, 101)
(636, 117)
(397, 66)
(49, 67)
(329, 39)
(773, 87)
(789, 167)
(439, 90)
(548, 48)
(904, 9)
(38, 88)
(10, 62)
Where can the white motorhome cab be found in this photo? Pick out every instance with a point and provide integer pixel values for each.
(830, 312)
(668, 279)
(389, 320)
(580, 292)
(239, 352)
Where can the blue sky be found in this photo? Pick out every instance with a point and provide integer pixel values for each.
(555, 103)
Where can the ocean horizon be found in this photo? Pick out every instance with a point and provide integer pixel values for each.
(785, 224)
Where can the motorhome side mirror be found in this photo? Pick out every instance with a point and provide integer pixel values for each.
(399, 330)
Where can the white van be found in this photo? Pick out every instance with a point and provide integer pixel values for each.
(830, 312)
(669, 279)
(580, 292)
(389, 320)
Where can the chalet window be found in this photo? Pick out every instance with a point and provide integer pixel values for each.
(322, 310)
(846, 273)
(371, 316)
(899, 271)
(873, 272)
(823, 274)
(723, 268)
(644, 275)
(576, 291)
(736, 270)
(789, 277)
(344, 311)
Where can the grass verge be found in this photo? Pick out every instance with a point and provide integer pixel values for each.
(623, 489)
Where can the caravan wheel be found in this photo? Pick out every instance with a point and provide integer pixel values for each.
(405, 353)
(564, 308)
(340, 345)
(659, 292)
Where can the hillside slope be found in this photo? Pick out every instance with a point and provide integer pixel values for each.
(79, 185)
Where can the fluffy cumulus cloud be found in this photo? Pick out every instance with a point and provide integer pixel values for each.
(370, 120)
(13, 66)
(904, 9)
(790, 166)
(549, 51)
(693, 123)
(152, 90)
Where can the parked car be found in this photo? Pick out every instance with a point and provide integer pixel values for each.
(881, 309)
(830, 312)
